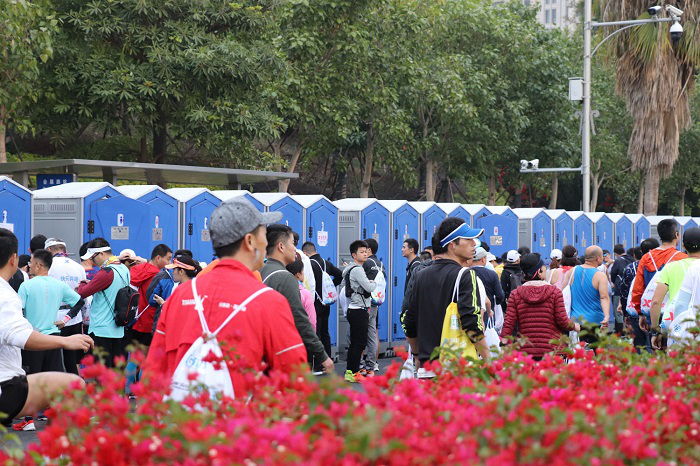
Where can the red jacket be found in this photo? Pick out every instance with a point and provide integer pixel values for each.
(264, 332)
(538, 309)
(141, 276)
(661, 258)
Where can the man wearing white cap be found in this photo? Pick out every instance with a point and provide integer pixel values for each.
(71, 273)
(489, 278)
(434, 288)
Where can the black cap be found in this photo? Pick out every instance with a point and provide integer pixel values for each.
(691, 239)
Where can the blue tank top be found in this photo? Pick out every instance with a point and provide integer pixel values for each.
(585, 298)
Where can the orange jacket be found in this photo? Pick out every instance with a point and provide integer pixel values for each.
(661, 257)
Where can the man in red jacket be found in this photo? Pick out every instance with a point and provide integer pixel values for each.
(141, 277)
(656, 259)
(263, 336)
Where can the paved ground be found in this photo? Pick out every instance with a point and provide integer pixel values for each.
(28, 438)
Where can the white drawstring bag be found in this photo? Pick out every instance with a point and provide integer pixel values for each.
(209, 378)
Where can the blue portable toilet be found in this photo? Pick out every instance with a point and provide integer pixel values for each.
(80, 212)
(455, 209)
(603, 230)
(583, 231)
(321, 228)
(16, 211)
(196, 207)
(624, 230)
(405, 224)
(642, 229)
(362, 218)
(473, 210)
(227, 194)
(535, 231)
(500, 226)
(292, 212)
(431, 215)
(163, 215)
(563, 226)
(686, 223)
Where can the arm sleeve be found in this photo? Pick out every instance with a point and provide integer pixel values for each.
(511, 316)
(505, 282)
(638, 289)
(15, 329)
(289, 289)
(334, 272)
(74, 299)
(283, 348)
(103, 279)
(359, 275)
(153, 288)
(469, 306)
(22, 293)
(560, 318)
(409, 320)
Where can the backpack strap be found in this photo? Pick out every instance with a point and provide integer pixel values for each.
(199, 307)
(276, 271)
(651, 256)
(455, 293)
(319, 265)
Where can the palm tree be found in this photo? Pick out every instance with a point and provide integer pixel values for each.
(655, 77)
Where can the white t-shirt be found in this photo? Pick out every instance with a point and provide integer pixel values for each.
(690, 287)
(14, 332)
(71, 273)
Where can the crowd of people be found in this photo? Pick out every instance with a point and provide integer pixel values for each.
(274, 300)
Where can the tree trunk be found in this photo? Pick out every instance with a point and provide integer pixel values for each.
(651, 191)
(3, 132)
(555, 191)
(369, 158)
(160, 137)
(681, 202)
(430, 169)
(283, 185)
(152, 176)
(492, 190)
(640, 201)
(340, 190)
(421, 179)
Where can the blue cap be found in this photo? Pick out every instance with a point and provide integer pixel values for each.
(462, 231)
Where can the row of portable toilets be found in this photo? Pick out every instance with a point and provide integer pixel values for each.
(139, 217)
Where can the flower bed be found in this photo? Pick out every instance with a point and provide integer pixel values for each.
(613, 408)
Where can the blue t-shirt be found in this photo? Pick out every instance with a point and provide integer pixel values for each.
(41, 298)
(585, 298)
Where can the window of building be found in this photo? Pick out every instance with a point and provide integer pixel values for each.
(554, 16)
(546, 17)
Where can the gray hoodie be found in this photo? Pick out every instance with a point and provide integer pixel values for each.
(358, 281)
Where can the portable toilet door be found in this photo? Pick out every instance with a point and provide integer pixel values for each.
(686, 223)
(225, 195)
(405, 224)
(321, 228)
(163, 213)
(16, 211)
(473, 210)
(196, 207)
(455, 209)
(292, 212)
(80, 212)
(602, 230)
(642, 229)
(563, 226)
(534, 230)
(500, 226)
(431, 215)
(583, 231)
(624, 230)
(363, 218)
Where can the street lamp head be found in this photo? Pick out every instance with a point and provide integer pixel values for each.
(676, 31)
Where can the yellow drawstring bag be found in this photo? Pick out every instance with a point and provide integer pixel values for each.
(453, 337)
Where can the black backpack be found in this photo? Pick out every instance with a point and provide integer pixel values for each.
(126, 303)
(349, 291)
(516, 279)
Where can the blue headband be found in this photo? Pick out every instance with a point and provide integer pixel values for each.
(462, 231)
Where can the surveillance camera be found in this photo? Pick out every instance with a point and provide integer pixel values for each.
(673, 11)
(523, 165)
(676, 31)
(535, 164)
(654, 10)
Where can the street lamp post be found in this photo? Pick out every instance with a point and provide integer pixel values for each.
(588, 25)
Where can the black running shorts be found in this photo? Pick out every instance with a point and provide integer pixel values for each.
(13, 397)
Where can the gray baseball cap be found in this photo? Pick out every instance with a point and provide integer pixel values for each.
(235, 218)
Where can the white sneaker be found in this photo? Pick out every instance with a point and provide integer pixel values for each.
(423, 374)
(376, 367)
